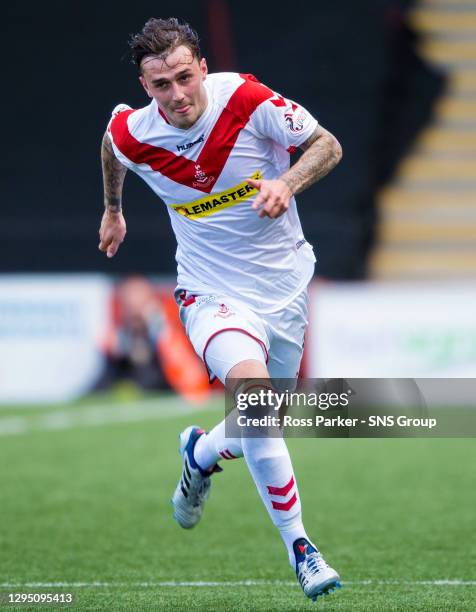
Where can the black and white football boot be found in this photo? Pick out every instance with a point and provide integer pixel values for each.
(313, 574)
(193, 488)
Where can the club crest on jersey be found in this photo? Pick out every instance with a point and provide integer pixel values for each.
(224, 312)
(201, 178)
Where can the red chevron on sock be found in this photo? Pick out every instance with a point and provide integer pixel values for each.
(281, 490)
(226, 454)
(285, 505)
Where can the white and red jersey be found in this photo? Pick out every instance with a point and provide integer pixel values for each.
(246, 131)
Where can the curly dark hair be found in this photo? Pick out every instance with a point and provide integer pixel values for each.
(160, 37)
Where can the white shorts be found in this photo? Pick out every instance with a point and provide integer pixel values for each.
(274, 338)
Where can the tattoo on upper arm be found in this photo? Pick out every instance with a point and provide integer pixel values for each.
(113, 176)
(322, 152)
(311, 140)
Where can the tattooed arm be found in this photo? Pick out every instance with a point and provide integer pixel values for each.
(113, 224)
(322, 152)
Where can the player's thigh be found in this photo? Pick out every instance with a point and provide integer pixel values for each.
(237, 354)
(287, 330)
(223, 332)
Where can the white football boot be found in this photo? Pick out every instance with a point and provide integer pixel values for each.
(313, 574)
(193, 488)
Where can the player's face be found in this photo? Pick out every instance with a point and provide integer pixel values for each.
(176, 84)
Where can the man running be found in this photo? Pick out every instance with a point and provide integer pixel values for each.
(216, 150)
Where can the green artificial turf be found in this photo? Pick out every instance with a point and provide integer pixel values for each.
(84, 503)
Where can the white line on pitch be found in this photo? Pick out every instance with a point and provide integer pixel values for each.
(93, 416)
(228, 583)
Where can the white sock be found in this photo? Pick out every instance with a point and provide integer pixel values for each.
(270, 466)
(296, 530)
(215, 446)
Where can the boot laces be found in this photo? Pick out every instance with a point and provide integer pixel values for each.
(312, 565)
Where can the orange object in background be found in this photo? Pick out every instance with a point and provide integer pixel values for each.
(146, 342)
(182, 368)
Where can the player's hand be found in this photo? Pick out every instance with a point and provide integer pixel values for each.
(273, 198)
(112, 232)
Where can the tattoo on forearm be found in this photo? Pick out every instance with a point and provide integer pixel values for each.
(322, 154)
(113, 173)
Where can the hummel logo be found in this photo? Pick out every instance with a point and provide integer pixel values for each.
(189, 145)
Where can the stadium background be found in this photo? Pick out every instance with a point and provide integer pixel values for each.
(367, 71)
(396, 82)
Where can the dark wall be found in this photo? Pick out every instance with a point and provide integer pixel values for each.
(64, 74)
(332, 60)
